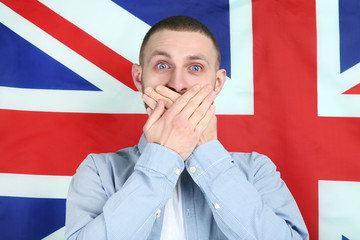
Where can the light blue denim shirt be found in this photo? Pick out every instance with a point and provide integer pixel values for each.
(225, 195)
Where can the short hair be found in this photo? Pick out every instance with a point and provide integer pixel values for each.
(180, 23)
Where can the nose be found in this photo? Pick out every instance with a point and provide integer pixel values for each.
(177, 81)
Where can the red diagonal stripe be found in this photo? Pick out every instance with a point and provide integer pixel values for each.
(353, 90)
(74, 38)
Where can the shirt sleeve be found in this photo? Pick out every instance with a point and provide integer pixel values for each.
(248, 200)
(130, 212)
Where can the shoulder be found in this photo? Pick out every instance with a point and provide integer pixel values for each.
(254, 165)
(252, 159)
(109, 169)
(123, 157)
(120, 159)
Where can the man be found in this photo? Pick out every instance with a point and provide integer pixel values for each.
(179, 182)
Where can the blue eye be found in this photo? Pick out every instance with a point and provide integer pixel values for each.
(162, 66)
(195, 68)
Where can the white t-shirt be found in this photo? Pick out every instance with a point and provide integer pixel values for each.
(173, 225)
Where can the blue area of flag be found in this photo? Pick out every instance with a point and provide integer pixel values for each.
(213, 13)
(22, 65)
(344, 238)
(349, 23)
(30, 218)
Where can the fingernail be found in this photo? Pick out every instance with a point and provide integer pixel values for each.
(158, 88)
(196, 87)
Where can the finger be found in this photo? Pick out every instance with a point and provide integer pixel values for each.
(183, 100)
(151, 103)
(202, 110)
(196, 101)
(168, 93)
(155, 115)
(155, 96)
(204, 122)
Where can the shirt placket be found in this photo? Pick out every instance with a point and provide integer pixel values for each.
(189, 214)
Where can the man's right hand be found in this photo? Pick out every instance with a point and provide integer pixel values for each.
(180, 127)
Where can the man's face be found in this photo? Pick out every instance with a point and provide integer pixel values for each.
(178, 60)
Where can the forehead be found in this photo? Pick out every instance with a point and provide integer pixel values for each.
(180, 44)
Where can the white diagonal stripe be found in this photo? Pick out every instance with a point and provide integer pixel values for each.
(58, 235)
(106, 21)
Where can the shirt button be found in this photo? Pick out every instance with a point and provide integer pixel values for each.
(158, 212)
(193, 169)
(177, 171)
(216, 206)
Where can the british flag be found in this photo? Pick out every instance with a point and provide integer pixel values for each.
(293, 93)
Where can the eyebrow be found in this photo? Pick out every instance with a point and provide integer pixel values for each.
(191, 57)
(158, 53)
(199, 57)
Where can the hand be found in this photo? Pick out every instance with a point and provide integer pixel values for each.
(210, 133)
(180, 127)
(152, 96)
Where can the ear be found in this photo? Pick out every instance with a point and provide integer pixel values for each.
(136, 73)
(220, 80)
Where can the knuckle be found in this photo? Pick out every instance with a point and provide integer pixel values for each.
(168, 104)
(182, 100)
(200, 112)
(154, 95)
(192, 104)
(201, 125)
(185, 98)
